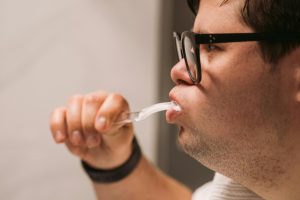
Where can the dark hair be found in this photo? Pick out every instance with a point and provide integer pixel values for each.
(269, 16)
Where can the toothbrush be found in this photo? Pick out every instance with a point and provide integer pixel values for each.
(146, 112)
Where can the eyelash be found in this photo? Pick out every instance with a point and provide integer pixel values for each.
(211, 47)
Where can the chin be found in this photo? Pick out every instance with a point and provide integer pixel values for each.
(185, 141)
(195, 145)
(182, 134)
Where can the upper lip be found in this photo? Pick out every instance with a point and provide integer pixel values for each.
(173, 97)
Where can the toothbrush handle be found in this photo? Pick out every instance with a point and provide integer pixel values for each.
(129, 118)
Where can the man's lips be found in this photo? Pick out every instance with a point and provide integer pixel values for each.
(172, 114)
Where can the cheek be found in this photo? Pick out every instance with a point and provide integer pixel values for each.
(233, 100)
(231, 114)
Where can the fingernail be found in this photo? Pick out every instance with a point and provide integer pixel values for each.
(91, 141)
(101, 122)
(59, 136)
(76, 137)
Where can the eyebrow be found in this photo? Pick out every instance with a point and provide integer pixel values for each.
(201, 31)
(224, 2)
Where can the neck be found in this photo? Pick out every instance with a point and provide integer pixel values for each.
(284, 185)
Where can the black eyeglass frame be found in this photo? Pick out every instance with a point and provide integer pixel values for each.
(197, 39)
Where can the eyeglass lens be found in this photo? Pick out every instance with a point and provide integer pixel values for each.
(190, 58)
(178, 48)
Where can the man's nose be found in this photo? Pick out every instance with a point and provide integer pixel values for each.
(179, 74)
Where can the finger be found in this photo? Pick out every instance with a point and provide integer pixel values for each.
(90, 106)
(73, 118)
(58, 125)
(111, 109)
(93, 140)
(79, 151)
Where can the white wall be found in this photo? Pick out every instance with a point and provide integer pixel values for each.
(52, 49)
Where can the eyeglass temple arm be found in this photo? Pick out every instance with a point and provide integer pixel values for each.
(242, 37)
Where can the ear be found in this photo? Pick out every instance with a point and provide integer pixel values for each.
(293, 62)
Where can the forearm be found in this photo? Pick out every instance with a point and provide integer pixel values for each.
(145, 182)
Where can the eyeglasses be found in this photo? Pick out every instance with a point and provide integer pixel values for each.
(187, 45)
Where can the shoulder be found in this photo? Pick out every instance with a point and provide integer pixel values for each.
(202, 192)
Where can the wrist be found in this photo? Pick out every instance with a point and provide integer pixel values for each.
(110, 159)
(101, 175)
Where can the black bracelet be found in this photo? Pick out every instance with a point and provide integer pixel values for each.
(118, 173)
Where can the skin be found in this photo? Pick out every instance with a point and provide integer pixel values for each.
(86, 126)
(245, 122)
(242, 120)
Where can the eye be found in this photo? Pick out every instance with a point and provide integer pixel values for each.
(211, 47)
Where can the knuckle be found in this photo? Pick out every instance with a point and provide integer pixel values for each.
(74, 98)
(54, 125)
(95, 97)
(57, 118)
(88, 128)
(119, 99)
(91, 98)
(58, 111)
(116, 96)
(74, 150)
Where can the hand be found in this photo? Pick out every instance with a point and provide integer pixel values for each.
(86, 126)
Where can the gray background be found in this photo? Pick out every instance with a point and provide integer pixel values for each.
(52, 49)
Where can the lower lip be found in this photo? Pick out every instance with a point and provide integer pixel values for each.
(172, 115)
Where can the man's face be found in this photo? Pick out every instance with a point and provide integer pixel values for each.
(231, 121)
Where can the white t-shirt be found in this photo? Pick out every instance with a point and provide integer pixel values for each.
(224, 188)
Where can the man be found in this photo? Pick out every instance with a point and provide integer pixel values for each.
(238, 84)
